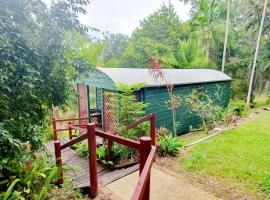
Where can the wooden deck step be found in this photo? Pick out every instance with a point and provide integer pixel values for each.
(77, 168)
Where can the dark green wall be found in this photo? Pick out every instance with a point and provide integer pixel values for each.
(99, 99)
(156, 98)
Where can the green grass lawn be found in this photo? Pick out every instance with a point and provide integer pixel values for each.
(194, 136)
(261, 103)
(240, 155)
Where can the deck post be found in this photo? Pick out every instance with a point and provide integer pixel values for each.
(153, 129)
(54, 129)
(69, 130)
(145, 148)
(91, 127)
(110, 143)
(58, 160)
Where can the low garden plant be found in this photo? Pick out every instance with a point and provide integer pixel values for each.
(167, 144)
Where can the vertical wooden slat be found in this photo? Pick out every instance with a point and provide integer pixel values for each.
(110, 143)
(153, 129)
(58, 160)
(92, 159)
(145, 148)
(69, 131)
(54, 129)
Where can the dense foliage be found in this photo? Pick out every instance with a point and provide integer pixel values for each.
(199, 42)
(34, 76)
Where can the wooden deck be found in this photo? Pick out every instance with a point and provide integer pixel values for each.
(77, 168)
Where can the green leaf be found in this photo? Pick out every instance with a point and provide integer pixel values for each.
(10, 188)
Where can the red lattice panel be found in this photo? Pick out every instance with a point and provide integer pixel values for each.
(109, 113)
(82, 102)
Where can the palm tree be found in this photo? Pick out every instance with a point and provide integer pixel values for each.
(189, 54)
(205, 18)
(256, 53)
(226, 35)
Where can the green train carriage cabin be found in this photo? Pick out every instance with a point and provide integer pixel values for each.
(154, 93)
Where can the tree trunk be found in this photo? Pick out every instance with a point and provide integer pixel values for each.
(256, 54)
(226, 36)
(207, 51)
(174, 122)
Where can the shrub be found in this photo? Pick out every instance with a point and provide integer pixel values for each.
(102, 155)
(82, 149)
(162, 131)
(29, 176)
(205, 107)
(238, 107)
(168, 145)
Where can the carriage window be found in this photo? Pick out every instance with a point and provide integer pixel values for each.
(92, 97)
(138, 95)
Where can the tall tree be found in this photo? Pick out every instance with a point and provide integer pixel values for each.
(33, 72)
(226, 35)
(206, 16)
(256, 53)
(157, 37)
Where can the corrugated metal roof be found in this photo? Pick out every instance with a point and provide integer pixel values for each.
(130, 76)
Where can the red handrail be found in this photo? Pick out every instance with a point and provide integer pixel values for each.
(146, 151)
(118, 139)
(144, 179)
(71, 119)
(152, 118)
(55, 130)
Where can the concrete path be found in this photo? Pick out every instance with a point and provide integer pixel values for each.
(164, 186)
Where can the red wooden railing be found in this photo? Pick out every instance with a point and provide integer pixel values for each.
(142, 190)
(146, 154)
(151, 118)
(70, 126)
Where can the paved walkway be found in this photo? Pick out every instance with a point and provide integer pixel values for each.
(164, 186)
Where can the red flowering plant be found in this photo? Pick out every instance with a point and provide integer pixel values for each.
(159, 75)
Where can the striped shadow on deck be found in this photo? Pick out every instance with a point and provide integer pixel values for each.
(78, 168)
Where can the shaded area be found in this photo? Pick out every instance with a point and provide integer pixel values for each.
(78, 168)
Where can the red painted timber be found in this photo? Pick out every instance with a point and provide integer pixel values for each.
(118, 139)
(144, 119)
(140, 189)
(153, 129)
(74, 141)
(145, 148)
(54, 129)
(110, 143)
(152, 118)
(69, 130)
(61, 129)
(58, 159)
(71, 119)
(92, 159)
(78, 128)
